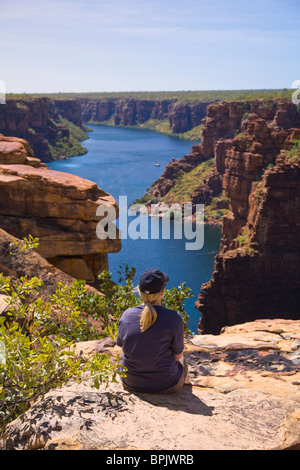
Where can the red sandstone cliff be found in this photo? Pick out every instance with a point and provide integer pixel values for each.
(257, 273)
(129, 111)
(58, 208)
(38, 121)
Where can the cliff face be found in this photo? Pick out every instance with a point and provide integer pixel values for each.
(129, 112)
(58, 208)
(185, 116)
(39, 121)
(123, 111)
(222, 121)
(248, 146)
(257, 273)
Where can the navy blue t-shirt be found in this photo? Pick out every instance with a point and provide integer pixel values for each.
(149, 355)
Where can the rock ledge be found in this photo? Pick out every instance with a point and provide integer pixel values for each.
(243, 393)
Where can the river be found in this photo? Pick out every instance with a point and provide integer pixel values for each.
(124, 162)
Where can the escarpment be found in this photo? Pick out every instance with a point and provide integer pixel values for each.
(257, 272)
(58, 208)
(181, 116)
(53, 128)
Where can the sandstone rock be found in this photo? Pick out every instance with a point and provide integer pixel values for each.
(76, 267)
(257, 273)
(210, 188)
(14, 150)
(38, 120)
(59, 209)
(3, 304)
(221, 122)
(124, 111)
(237, 398)
(185, 116)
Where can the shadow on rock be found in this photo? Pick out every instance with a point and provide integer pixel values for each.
(183, 400)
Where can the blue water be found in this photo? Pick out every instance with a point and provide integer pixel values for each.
(122, 162)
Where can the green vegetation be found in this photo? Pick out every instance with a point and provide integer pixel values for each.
(38, 338)
(66, 149)
(163, 127)
(119, 297)
(293, 155)
(157, 125)
(183, 96)
(186, 183)
(242, 136)
(217, 208)
(68, 146)
(193, 134)
(37, 349)
(243, 239)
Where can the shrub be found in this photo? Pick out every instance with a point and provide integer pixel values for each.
(37, 348)
(243, 239)
(294, 154)
(37, 352)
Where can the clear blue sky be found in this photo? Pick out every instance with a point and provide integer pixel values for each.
(138, 45)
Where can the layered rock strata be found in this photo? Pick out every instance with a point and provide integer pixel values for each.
(58, 208)
(17, 151)
(38, 121)
(130, 112)
(257, 272)
(223, 121)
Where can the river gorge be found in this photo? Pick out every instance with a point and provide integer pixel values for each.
(245, 171)
(124, 163)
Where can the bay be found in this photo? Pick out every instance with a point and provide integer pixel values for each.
(124, 162)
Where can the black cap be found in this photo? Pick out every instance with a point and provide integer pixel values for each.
(153, 281)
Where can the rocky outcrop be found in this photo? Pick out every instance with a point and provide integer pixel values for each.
(17, 151)
(257, 273)
(130, 112)
(38, 120)
(211, 187)
(69, 109)
(244, 382)
(124, 111)
(58, 208)
(185, 116)
(223, 121)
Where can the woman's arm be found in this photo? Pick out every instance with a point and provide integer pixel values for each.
(178, 356)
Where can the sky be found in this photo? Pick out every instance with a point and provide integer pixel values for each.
(148, 45)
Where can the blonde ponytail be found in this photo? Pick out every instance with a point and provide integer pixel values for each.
(149, 314)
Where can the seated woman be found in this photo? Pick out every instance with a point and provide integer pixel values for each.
(151, 337)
